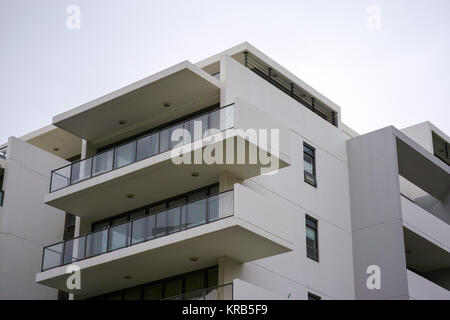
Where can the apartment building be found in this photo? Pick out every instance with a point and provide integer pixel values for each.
(226, 179)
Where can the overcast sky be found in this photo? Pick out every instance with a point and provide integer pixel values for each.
(384, 62)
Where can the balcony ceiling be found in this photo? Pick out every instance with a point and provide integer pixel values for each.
(186, 87)
(149, 180)
(165, 257)
(422, 168)
(423, 255)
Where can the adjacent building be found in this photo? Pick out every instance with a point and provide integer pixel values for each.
(226, 179)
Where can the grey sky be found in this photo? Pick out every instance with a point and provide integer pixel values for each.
(397, 75)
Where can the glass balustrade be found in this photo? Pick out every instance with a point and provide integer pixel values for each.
(151, 226)
(144, 147)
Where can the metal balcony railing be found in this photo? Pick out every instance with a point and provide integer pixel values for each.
(155, 225)
(141, 148)
(222, 292)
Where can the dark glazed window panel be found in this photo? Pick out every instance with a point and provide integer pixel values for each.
(147, 146)
(151, 226)
(194, 282)
(81, 170)
(161, 223)
(132, 294)
(173, 287)
(153, 291)
(173, 220)
(312, 241)
(116, 296)
(167, 288)
(213, 277)
(309, 164)
(118, 236)
(313, 297)
(102, 162)
(124, 155)
(96, 242)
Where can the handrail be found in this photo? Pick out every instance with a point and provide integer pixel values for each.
(90, 160)
(129, 232)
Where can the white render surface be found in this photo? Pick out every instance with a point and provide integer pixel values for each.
(27, 225)
(364, 217)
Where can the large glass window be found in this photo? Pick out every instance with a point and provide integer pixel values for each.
(166, 288)
(168, 216)
(124, 155)
(312, 241)
(309, 164)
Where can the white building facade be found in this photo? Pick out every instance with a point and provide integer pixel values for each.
(272, 197)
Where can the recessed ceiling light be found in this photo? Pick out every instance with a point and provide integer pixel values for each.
(166, 104)
(195, 174)
(130, 196)
(122, 122)
(56, 149)
(193, 259)
(127, 276)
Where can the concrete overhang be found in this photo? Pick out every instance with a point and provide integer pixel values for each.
(159, 178)
(420, 166)
(54, 140)
(423, 255)
(257, 229)
(212, 66)
(186, 87)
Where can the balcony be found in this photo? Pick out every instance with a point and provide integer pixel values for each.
(139, 230)
(140, 149)
(240, 224)
(423, 289)
(148, 167)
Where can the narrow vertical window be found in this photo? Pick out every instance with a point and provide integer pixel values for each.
(312, 241)
(309, 163)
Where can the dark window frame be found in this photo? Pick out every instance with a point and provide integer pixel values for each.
(141, 287)
(147, 208)
(165, 125)
(312, 155)
(313, 297)
(314, 225)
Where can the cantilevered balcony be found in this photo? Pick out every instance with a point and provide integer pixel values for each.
(153, 167)
(239, 224)
(144, 147)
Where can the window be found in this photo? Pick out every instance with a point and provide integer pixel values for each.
(312, 241)
(313, 296)
(196, 213)
(309, 163)
(166, 288)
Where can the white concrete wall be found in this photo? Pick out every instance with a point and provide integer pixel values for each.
(26, 223)
(423, 289)
(425, 224)
(293, 273)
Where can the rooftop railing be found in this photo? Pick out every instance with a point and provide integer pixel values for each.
(287, 86)
(222, 292)
(155, 225)
(141, 148)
